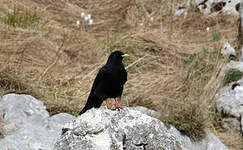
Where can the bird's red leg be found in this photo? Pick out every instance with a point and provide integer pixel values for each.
(107, 104)
(116, 104)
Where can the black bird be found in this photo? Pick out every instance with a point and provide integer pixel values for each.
(108, 82)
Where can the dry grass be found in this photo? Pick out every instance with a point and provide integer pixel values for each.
(172, 68)
(234, 142)
(1, 128)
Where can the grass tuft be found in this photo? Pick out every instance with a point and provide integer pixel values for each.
(18, 18)
(189, 120)
(216, 37)
(232, 75)
(13, 80)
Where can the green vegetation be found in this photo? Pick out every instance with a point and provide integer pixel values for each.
(232, 75)
(216, 36)
(18, 18)
(190, 59)
(189, 120)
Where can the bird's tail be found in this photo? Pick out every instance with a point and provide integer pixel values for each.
(91, 102)
(88, 105)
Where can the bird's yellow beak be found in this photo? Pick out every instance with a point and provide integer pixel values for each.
(125, 55)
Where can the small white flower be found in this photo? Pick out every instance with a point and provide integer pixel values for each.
(207, 28)
(89, 16)
(152, 19)
(91, 21)
(77, 22)
(86, 18)
(141, 24)
(82, 14)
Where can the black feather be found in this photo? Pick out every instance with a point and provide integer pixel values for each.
(108, 82)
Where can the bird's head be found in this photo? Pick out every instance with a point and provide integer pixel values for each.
(116, 57)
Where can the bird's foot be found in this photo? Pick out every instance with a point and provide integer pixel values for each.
(117, 105)
(108, 105)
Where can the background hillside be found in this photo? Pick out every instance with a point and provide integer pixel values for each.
(174, 68)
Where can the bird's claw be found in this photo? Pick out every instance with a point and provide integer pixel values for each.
(117, 106)
(107, 104)
(109, 107)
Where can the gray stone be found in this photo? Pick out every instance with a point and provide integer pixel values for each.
(182, 9)
(211, 142)
(146, 111)
(56, 122)
(103, 129)
(230, 101)
(234, 65)
(241, 123)
(19, 109)
(231, 124)
(227, 49)
(28, 125)
(197, 2)
(218, 6)
(230, 98)
(241, 57)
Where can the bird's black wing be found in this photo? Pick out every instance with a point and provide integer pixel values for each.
(95, 99)
(102, 75)
(124, 75)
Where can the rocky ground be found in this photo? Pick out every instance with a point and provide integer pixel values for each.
(29, 126)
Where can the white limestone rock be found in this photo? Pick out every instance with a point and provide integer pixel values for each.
(227, 49)
(229, 101)
(103, 129)
(28, 125)
(218, 6)
(231, 124)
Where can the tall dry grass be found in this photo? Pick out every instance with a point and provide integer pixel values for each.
(1, 128)
(172, 68)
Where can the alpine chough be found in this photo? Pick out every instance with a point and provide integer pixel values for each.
(108, 82)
